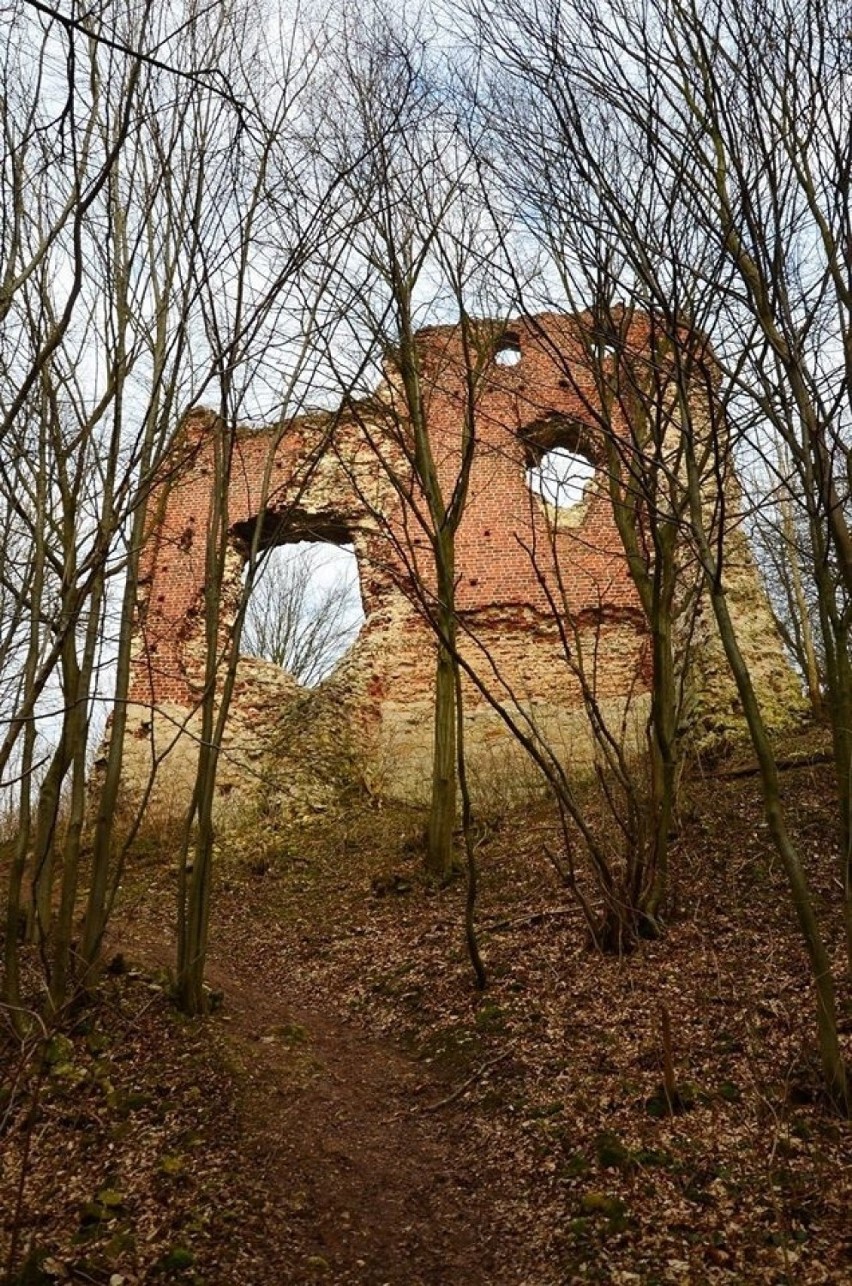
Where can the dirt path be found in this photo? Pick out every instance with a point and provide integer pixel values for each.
(356, 1178)
(365, 1180)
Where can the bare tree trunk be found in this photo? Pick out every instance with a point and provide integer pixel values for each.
(839, 692)
(471, 939)
(664, 758)
(11, 992)
(803, 616)
(442, 811)
(61, 963)
(195, 877)
(15, 912)
(831, 1054)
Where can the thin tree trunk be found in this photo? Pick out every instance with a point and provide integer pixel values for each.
(63, 932)
(83, 675)
(442, 813)
(14, 908)
(467, 833)
(195, 884)
(14, 905)
(831, 1054)
(808, 651)
(663, 752)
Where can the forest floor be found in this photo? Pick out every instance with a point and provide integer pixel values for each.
(356, 1112)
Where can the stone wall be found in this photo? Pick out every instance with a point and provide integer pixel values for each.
(538, 591)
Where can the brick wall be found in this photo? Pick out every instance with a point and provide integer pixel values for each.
(346, 477)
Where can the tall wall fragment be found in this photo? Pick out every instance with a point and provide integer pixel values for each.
(536, 589)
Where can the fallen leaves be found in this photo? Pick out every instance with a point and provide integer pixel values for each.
(357, 1113)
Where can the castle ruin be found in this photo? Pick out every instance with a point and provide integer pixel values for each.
(535, 586)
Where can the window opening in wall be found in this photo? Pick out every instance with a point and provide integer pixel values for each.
(305, 609)
(508, 354)
(560, 477)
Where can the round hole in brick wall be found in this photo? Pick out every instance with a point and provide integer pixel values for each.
(560, 477)
(508, 353)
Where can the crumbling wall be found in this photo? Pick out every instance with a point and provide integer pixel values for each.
(535, 596)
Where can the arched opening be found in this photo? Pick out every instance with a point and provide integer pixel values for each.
(304, 611)
(560, 477)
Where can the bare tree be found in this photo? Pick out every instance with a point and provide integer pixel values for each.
(77, 314)
(708, 148)
(261, 297)
(141, 271)
(421, 238)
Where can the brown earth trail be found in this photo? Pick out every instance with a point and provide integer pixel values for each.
(352, 1180)
(365, 1181)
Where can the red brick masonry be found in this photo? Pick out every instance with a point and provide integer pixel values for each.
(534, 586)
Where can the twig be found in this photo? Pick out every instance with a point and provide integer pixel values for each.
(465, 1085)
(669, 1083)
(537, 917)
(783, 765)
